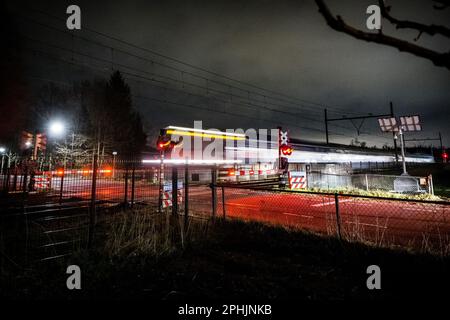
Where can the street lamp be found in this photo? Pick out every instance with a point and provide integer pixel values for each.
(402, 146)
(56, 128)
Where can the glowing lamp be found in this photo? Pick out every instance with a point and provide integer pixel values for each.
(286, 150)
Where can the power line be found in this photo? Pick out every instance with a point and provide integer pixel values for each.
(172, 79)
(189, 93)
(153, 62)
(338, 110)
(178, 103)
(187, 83)
(248, 105)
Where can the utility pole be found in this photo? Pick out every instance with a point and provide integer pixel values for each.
(326, 124)
(393, 135)
(402, 145)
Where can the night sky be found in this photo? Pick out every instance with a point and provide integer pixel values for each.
(283, 46)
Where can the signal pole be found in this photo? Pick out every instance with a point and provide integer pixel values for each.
(161, 181)
(279, 150)
(393, 135)
(402, 145)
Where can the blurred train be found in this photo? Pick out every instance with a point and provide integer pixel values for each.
(333, 158)
(241, 158)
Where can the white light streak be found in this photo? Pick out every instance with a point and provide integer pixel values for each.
(192, 161)
(207, 131)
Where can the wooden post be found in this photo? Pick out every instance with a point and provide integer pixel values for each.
(186, 193)
(174, 190)
(132, 183)
(125, 200)
(338, 217)
(214, 192)
(223, 203)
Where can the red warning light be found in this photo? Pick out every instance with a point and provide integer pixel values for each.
(286, 150)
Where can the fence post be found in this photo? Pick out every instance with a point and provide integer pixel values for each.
(132, 183)
(367, 182)
(223, 203)
(125, 199)
(186, 193)
(431, 184)
(338, 217)
(214, 192)
(174, 190)
(6, 179)
(93, 199)
(61, 187)
(31, 185)
(25, 180)
(15, 180)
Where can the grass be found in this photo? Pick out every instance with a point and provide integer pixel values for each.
(439, 171)
(141, 255)
(441, 182)
(376, 193)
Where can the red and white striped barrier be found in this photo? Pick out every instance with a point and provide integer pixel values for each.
(167, 198)
(249, 172)
(42, 182)
(78, 171)
(297, 180)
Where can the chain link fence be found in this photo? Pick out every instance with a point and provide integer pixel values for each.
(371, 182)
(422, 225)
(51, 213)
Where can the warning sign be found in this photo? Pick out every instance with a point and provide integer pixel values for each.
(297, 180)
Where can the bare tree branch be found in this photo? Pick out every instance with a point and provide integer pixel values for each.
(338, 24)
(405, 24)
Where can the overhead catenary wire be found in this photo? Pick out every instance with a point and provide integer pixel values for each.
(106, 61)
(209, 89)
(183, 83)
(264, 96)
(165, 101)
(247, 105)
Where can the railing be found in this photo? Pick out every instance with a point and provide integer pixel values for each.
(371, 182)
